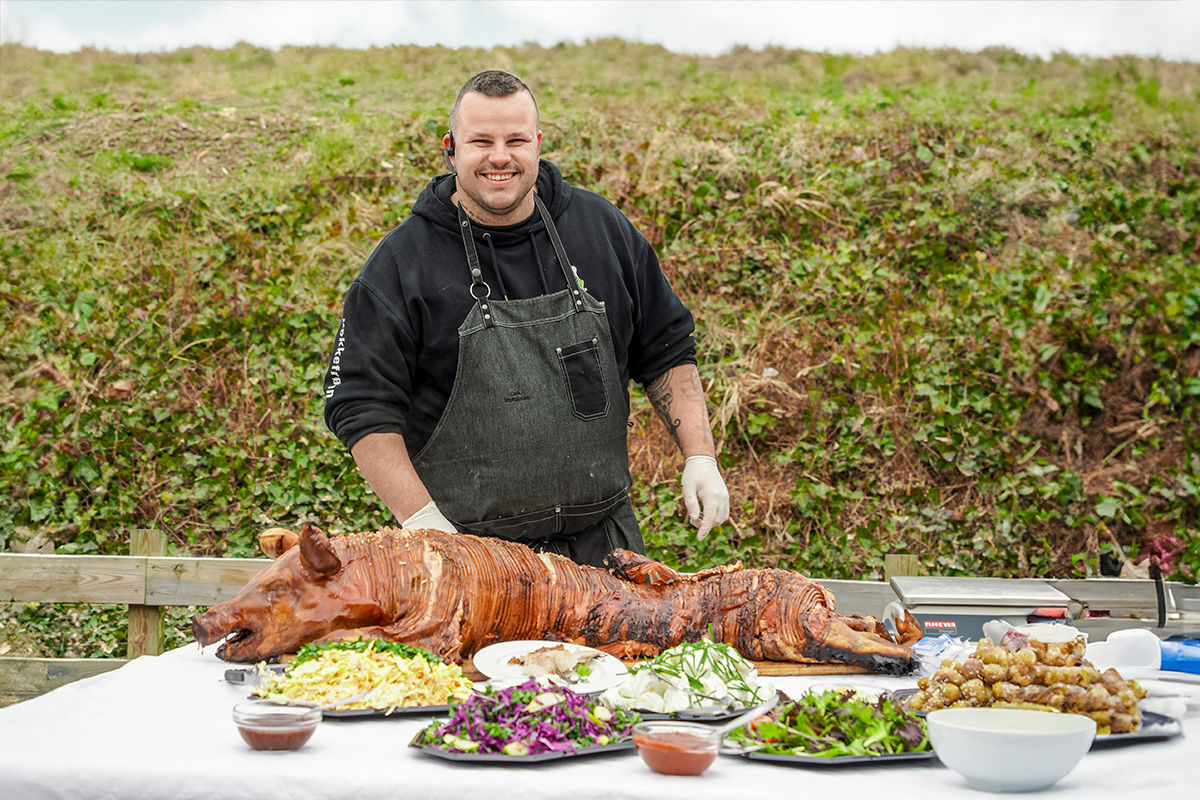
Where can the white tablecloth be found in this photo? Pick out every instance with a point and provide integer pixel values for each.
(160, 727)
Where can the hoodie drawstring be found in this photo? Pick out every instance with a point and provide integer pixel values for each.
(538, 259)
(487, 237)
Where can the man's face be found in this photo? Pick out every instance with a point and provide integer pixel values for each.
(496, 147)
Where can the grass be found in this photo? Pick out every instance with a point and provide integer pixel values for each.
(947, 302)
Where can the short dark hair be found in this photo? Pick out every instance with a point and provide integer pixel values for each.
(493, 83)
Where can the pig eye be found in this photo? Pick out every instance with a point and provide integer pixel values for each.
(273, 587)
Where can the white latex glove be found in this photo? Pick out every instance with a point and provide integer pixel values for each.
(429, 517)
(704, 493)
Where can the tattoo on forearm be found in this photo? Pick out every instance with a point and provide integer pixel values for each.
(659, 393)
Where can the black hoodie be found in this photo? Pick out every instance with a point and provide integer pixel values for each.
(396, 351)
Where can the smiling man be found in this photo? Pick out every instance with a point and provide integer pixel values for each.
(480, 375)
(496, 155)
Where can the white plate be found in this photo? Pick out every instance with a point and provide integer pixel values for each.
(861, 691)
(1147, 673)
(493, 661)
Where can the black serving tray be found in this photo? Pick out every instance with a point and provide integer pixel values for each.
(829, 761)
(701, 714)
(501, 758)
(1155, 728)
(694, 714)
(376, 713)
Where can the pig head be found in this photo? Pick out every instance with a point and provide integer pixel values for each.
(309, 591)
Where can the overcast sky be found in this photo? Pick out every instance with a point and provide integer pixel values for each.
(1038, 27)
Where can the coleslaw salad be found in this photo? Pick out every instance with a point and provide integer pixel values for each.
(401, 680)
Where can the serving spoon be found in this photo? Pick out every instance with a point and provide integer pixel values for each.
(750, 715)
(347, 700)
(287, 701)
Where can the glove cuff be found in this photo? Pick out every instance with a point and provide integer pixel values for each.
(426, 511)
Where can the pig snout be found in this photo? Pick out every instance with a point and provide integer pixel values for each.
(223, 623)
(207, 628)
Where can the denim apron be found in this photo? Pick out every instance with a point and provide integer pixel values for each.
(532, 443)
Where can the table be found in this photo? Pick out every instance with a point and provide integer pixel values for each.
(160, 727)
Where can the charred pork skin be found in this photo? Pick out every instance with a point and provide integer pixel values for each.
(456, 593)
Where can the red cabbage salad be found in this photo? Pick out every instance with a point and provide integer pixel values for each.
(526, 720)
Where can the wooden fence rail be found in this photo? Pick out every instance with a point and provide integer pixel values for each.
(147, 582)
(140, 580)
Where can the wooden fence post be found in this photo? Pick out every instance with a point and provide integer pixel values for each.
(145, 635)
(900, 564)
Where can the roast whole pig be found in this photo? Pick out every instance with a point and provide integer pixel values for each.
(457, 593)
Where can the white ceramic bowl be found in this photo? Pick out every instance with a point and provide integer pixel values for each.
(1009, 749)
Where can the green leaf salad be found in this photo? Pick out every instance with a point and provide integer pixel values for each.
(311, 651)
(835, 723)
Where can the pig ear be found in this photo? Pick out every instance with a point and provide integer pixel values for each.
(316, 553)
(274, 542)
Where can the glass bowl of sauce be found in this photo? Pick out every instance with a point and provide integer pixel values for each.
(267, 725)
(676, 748)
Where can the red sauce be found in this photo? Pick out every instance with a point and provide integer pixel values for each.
(675, 752)
(279, 739)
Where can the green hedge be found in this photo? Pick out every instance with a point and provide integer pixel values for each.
(948, 303)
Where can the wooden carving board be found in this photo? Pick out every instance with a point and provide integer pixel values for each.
(788, 668)
(773, 668)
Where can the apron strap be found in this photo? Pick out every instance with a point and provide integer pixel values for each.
(572, 283)
(480, 291)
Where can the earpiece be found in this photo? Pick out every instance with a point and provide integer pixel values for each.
(448, 151)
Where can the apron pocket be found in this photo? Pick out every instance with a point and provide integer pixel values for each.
(585, 381)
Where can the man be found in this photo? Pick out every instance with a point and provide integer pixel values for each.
(480, 373)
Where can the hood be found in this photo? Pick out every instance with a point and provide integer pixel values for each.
(434, 205)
